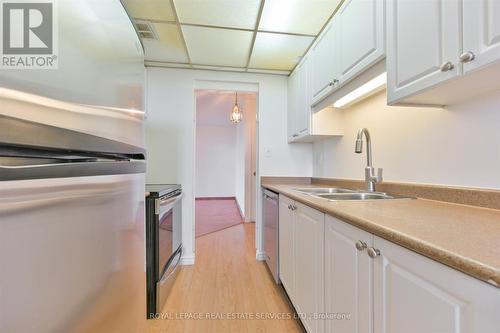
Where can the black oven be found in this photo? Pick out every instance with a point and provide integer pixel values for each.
(163, 242)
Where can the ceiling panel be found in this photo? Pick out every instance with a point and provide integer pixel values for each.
(169, 47)
(278, 51)
(150, 9)
(219, 47)
(222, 13)
(296, 16)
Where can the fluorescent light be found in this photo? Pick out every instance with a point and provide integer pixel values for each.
(369, 88)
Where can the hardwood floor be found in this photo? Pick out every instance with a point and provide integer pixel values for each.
(226, 280)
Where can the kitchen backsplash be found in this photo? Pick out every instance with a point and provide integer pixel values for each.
(456, 145)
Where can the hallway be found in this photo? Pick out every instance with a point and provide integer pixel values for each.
(226, 281)
(216, 214)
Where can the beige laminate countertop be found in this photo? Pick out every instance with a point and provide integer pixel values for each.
(464, 237)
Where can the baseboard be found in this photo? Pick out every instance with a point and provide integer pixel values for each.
(260, 256)
(187, 260)
(215, 198)
(242, 216)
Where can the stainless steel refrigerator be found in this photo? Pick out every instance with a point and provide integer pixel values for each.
(72, 177)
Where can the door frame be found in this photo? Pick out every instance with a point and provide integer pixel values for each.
(225, 86)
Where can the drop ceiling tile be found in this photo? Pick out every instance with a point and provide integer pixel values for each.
(150, 9)
(218, 47)
(296, 16)
(169, 46)
(222, 13)
(278, 51)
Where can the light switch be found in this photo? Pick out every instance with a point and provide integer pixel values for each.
(267, 152)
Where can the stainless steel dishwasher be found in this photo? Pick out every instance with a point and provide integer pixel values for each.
(270, 211)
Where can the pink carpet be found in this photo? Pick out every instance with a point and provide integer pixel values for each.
(216, 214)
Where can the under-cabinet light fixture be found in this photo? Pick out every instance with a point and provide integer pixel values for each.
(369, 88)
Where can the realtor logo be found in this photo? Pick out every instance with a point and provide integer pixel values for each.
(29, 34)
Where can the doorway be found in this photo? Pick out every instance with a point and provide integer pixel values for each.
(225, 167)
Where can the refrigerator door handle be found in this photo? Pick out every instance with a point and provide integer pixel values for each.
(66, 170)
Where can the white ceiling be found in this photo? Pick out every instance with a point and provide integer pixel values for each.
(235, 35)
(213, 107)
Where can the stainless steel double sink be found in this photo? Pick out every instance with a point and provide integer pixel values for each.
(342, 194)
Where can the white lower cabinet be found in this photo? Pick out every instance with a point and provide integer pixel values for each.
(415, 294)
(348, 278)
(286, 246)
(309, 289)
(301, 230)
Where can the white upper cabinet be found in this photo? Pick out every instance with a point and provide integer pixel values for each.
(292, 98)
(361, 37)
(351, 44)
(303, 125)
(299, 110)
(423, 40)
(481, 33)
(303, 116)
(416, 294)
(324, 58)
(442, 52)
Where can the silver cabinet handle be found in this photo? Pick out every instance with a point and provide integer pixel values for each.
(361, 246)
(447, 66)
(295, 135)
(467, 57)
(333, 82)
(373, 253)
(329, 84)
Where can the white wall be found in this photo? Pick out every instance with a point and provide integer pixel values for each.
(240, 167)
(170, 132)
(459, 145)
(215, 161)
(246, 159)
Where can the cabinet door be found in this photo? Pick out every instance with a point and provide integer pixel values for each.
(481, 32)
(309, 251)
(324, 67)
(348, 278)
(292, 106)
(303, 115)
(286, 245)
(361, 38)
(416, 294)
(422, 36)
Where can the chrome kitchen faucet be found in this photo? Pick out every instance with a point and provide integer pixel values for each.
(370, 178)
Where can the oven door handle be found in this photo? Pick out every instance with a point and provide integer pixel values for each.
(166, 276)
(166, 202)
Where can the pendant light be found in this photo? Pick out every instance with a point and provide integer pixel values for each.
(236, 114)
